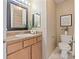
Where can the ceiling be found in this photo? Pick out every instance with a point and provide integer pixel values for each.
(59, 1)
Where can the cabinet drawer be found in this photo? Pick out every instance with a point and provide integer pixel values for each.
(14, 47)
(29, 42)
(39, 39)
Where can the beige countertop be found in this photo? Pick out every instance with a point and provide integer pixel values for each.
(16, 38)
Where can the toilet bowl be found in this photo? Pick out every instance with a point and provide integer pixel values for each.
(66, 38)
(64, 45)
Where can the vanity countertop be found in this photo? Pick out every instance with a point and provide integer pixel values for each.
(21, 37)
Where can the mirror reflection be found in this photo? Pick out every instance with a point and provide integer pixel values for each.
(22, 15)
(36, 20)
(18, 17)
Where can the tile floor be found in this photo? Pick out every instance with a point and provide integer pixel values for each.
(56, 55)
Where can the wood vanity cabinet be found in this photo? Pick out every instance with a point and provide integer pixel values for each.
(26, 49)
(37, 50)
(14, 47)
(22, 54)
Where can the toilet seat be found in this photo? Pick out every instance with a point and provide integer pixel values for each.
(64, 46)
(66, 38)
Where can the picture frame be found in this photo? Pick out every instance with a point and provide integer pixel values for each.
(66, 20)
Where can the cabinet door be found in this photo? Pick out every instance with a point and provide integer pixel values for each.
(37, 51)
(22, 54)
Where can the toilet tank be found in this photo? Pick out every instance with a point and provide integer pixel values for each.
(66, 38)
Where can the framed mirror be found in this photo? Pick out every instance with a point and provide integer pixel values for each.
(36, 20)
(17, 16)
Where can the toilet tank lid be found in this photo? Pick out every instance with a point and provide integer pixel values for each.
(66, 38)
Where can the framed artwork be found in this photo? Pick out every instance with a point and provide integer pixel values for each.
(66, 20)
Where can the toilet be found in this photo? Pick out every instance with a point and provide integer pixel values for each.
(64, 45)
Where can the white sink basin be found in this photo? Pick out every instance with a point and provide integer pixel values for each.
(24, 35)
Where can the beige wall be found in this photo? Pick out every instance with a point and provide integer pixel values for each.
(67, 7)
(51, 26)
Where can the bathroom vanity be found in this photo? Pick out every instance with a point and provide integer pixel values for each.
(24, 47)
